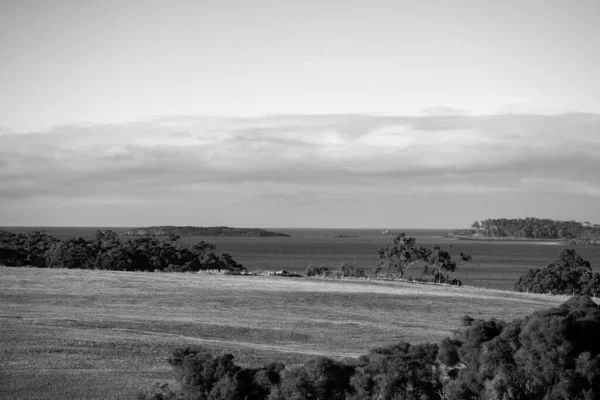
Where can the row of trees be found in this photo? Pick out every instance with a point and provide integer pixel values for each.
(568, 274)
(107, 251)
(552, 354)
(347, 270)
(533, 228)
(397, 258)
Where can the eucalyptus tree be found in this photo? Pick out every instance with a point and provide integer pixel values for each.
(400, 255)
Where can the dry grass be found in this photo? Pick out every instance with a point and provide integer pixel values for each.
(103, 335)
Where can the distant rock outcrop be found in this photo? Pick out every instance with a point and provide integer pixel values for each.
(200, 231)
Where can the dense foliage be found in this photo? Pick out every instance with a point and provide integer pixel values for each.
(552, 354)
(109, 251)
(20, 250)
(317, 271)
(402, 254)
(533, 228)
(568, 274)
(200, 231)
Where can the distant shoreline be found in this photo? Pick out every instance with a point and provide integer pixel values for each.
(556, 242)
(510, 239)
(200, 231)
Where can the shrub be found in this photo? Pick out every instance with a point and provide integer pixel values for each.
(351, 270)
(159, 392)
(568, 274)
(313, 270)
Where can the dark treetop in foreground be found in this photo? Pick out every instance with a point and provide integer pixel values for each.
(109, 251)
(532, 228)
(551, 354)
(200, 231)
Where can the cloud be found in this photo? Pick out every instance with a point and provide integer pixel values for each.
(441, 110)
(305, 158)
(464, 151)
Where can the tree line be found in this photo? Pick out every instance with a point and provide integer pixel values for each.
(108, 251)
(395, 261)
(551, 354)
(533, 228)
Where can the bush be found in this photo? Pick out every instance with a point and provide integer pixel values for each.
(319, 378)
(568, 274)
(313, 270)
(159, 392)
(550, 354)
(351, 270)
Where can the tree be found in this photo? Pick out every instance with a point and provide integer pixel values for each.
(399, 371)
(351, 270)
(568, 274)
(401, 255)
(70, 253)
(320, 378)
(313, 270)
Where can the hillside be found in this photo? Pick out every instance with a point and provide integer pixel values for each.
(103, 334)
(191, 231)
(570, 232)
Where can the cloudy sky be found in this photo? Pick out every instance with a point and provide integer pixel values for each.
(276, 113)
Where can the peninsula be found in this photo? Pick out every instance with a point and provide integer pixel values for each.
(200, 231)
(569, 232)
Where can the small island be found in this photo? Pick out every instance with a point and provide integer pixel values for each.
(193, 231)
(531, 229)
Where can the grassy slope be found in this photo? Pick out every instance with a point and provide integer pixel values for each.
(98, 334)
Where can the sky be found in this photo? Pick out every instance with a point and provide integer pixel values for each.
(273, 113)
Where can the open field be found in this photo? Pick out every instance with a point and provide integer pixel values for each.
(103, 335)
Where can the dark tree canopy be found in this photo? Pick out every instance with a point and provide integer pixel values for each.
(568, 274)
(107, 251)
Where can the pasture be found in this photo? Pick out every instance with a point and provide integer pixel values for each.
(76, 334)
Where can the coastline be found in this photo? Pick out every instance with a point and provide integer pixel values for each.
(562, 242)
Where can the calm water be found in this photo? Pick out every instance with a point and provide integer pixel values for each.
(494, 265)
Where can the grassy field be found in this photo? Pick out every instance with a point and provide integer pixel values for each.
(74, 334)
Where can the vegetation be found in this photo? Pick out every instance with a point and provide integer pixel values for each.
(20, 250)
(552, 354)
(568, 274)
(314, 271)
(351, 270)
(200, 231)
(91, 334)
(533, 228)
(108, 251)
(400, 256)
(403, 254)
